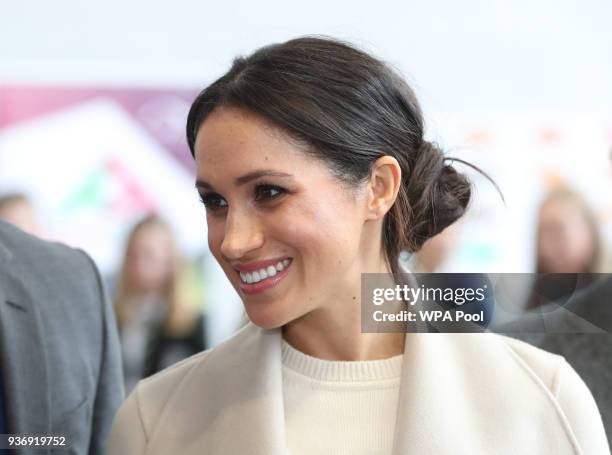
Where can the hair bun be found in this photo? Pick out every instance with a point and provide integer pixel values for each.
(439, 195)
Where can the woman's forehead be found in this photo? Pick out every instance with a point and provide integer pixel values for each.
(235, 130)
(235, 141)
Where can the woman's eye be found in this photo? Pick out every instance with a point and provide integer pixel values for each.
(213, 201)
(267, 192)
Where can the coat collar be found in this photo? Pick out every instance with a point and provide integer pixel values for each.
(457, 390)
(234, 397)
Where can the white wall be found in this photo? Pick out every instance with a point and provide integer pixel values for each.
(470, 54)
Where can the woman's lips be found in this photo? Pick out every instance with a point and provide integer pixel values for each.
(269, 281)
(252, 266)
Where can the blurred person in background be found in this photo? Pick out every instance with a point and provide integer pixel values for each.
(567, 242)
(18, 210)
(568, 239)
(436, 251)
(159, 325)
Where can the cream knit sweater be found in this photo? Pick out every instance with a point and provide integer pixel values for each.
(339, 407)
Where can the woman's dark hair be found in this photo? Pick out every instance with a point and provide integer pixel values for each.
(349, 108)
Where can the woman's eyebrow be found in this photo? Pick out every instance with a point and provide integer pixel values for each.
(246, 178)
(260, 173)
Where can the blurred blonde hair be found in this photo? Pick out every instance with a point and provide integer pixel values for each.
(180, 315)
(569, 197)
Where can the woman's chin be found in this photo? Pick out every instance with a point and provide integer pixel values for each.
(266, 319)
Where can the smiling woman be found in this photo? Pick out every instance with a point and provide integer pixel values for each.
(295, 212)
(313, 169)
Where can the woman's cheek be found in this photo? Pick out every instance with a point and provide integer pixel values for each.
(215, 238)
(307, 232)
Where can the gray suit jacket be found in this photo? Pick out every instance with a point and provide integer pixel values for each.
(59, 348)
(581, 331)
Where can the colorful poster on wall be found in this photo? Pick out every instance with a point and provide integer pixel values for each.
(94, 161)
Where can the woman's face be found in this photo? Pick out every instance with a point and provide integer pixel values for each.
(566, 243)
(286, 232)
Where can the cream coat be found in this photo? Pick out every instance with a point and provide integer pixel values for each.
(460, 394)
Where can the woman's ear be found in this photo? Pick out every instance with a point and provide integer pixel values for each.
(384, 184)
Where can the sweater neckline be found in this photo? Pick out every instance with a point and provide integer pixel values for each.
(340, 370)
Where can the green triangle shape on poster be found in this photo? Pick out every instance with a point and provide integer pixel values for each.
(89, 194)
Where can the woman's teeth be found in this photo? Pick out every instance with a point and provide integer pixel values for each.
(266, 272)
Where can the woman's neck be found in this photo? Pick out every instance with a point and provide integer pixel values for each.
(333, 331)
(345, 346)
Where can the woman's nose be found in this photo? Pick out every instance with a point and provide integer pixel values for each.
(242, 235)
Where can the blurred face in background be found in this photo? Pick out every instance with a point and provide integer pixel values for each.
(436, 250)
(289, 238)
(20, 213)
(150, 259)
(565, 238)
